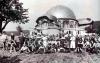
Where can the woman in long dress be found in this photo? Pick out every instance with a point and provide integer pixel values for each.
(72, 45)
(45, 43)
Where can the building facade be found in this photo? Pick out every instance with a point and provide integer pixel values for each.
(60, 19)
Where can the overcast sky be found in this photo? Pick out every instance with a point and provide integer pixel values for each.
(37, 8)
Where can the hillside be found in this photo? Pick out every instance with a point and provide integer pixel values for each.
(16, 32)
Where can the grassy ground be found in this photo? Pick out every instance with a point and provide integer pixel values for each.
(15, 57)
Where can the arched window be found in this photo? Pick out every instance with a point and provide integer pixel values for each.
(45, 22)
(71, 24)
(40, 22)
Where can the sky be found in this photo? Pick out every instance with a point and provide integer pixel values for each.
(37, 8)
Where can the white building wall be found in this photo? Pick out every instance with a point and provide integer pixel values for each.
(50, 31)
(53, 31)
(74, 32)
(45, 31)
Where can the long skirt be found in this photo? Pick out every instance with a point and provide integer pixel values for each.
(72, 45)
(45, 43)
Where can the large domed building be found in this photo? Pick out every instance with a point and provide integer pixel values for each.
(61, 11)
(61, 19)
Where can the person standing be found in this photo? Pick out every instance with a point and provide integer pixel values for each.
(72, 45)
(13, 43)
(62, 41)
(22, 39)
(80, 44)
(4, 39)
(77, 40)
(67, 38)
(12, 36)
(45, 42)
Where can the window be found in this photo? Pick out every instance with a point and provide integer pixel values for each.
(78, 32)
(45, 24)
(69, 32)
(40, 22)
(71, 24)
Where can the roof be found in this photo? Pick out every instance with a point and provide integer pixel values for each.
(84, 21)
(65, 19)
(50, 18)
(60, 11)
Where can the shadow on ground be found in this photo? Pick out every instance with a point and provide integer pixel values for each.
(6, 59)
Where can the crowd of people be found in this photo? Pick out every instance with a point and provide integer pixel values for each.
(41, 43)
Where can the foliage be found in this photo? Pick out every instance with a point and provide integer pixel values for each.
(90, 29)
(98, 30)
(12, 11)
(19, 29)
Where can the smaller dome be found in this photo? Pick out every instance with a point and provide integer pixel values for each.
(51, 18)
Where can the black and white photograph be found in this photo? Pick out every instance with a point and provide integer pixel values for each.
(49, 31)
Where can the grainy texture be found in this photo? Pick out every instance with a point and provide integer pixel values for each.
(48, 58)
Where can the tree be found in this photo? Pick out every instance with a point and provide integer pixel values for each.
(90, 29)
(12, 11)
(98, 30)
(19, 29)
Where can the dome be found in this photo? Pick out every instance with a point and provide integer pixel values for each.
(49, 17)
(60, 11)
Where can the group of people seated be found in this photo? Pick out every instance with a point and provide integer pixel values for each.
(41, 43)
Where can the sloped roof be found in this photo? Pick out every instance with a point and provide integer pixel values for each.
(84, 21)
(65, 19)
(51, 18)
(96, 24)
